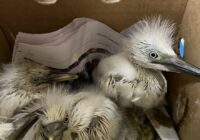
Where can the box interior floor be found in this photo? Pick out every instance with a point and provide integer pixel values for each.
(28, 16)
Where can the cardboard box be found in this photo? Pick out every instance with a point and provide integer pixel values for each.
(28, 16)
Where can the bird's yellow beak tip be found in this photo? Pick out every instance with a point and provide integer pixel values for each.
(50, 138)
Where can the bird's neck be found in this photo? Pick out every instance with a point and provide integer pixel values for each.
(148, 75)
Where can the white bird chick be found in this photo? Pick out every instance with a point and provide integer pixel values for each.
(129, 83)
(85, 115)
(21, 83)
(134, 75)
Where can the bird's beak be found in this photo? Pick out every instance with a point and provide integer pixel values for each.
(57, 77)
(60, 77)
(51, 137)
(54, 131)
(175, 64)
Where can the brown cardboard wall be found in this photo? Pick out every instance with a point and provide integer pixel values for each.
(5, 50)
(183, 87)
(28, 16)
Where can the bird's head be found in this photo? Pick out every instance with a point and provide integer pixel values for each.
(83, 115)
(52, 113)
(152, 46)
(46, 118)
(60, 115)
(31, 76)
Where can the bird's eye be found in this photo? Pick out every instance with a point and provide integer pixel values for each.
(43, 126)
(153, 55)
(35, 80)
(66, 120)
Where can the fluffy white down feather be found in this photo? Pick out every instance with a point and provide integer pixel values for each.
(16, 87)
(90, 115)
(80, 108)
(142, 87)
(5, 130)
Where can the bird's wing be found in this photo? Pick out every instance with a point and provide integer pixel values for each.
(121, 87)
(135, 126)
(162, 123)
(22, 126)
(24, 118)
(129, 92)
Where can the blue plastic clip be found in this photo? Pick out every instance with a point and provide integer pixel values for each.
(182, 47)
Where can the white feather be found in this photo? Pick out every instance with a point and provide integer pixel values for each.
(5, 130)
(131, 88)
(81, 108)
(156, 31)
